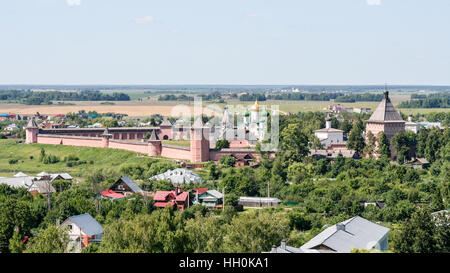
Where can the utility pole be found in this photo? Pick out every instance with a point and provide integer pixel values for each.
(223, 198)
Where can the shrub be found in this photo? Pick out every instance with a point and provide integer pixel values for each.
(13, 161)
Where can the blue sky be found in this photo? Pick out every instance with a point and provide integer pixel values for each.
(225, 42)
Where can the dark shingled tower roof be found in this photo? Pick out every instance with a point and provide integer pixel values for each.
(153, 136)
(386, 111)
(32, 124)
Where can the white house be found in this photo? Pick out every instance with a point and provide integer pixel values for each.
(328, 135)
(11, 127)
(412, 126)
(83, 229)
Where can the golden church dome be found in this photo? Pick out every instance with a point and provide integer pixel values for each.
(255, 107)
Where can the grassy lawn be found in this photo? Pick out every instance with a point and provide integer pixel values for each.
(182, 142)
(102, 159)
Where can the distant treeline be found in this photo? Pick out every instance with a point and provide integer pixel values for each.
(434, 95)
(431, 101)
(46, 97)
(252, 97)
(338, 97)
(206, 97)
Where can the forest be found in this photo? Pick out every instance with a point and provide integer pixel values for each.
(37, 98)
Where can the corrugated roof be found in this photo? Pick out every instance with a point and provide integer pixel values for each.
(215, 193)
(87, 224)
(356, 232)
(18, 182)
(386, 111)
(130, 183)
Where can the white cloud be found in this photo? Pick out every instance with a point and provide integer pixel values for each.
(373, 2)
(145, 20)
(72, 3)
(252, 15)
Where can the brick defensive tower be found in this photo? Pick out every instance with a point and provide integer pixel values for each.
(199, 140)
(31, 132)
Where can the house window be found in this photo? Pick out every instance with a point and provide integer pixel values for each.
(70, 227)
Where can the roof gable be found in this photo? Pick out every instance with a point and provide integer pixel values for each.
(129, 182)
(87, 224)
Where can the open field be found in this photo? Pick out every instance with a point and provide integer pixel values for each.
(147, 107)
(102, 159)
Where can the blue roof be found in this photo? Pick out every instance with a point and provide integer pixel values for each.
(87, 224)
(133, 186)
(4, 115)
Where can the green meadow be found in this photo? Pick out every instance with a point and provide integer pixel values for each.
(27, 156)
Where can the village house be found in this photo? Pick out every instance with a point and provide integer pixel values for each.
(176, 198)
(211, 199)
(31, 184)
(126, 186)
(418, 163)
(355, 232)
(178, 176)
(83, 229)
(12, 127)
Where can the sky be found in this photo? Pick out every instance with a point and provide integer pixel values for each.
(273, 42)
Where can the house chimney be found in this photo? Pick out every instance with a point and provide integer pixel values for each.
(409, 118)
(274, 249)
(283, 244)
(328, 122)
(340, 227)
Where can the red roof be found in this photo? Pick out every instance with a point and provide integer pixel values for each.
(182, 196)
(112, 194)
(163, 204)
(33, 192)
(161, 195)
(200, 190)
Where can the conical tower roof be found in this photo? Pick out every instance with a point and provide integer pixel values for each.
(32, 124)
(386, 111)
(198, 123)
(153, 136)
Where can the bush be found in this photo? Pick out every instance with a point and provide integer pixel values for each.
(50, 159)
(13, 161)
